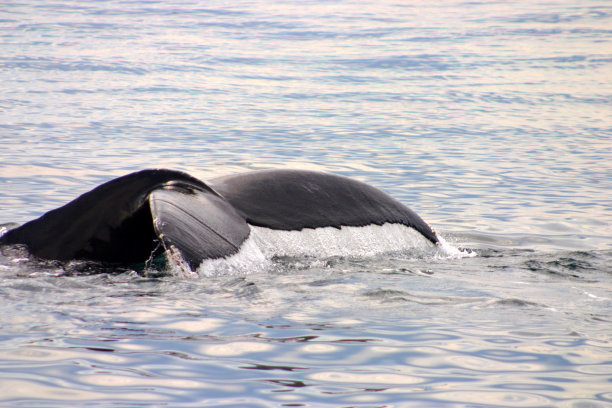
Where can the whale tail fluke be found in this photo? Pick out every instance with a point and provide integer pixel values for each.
(111, 223)
(125, 220)
(199, 224)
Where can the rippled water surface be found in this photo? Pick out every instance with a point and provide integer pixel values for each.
(492, 120)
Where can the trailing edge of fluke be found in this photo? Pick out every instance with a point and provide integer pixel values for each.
(125, 220)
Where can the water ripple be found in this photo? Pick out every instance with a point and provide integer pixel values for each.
(490, 119)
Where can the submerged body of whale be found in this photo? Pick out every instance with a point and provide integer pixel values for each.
(129, 219)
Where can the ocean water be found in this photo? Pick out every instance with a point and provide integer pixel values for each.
(492, 120)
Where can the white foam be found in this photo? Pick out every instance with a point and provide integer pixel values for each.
(446, 250)
(263, 244)
(346, 241)
(249, 258)
(177, 264)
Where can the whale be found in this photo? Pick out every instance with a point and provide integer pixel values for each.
(131, 219)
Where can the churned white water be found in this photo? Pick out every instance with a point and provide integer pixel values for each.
(346, 241)
(263, 244)
(249, 258)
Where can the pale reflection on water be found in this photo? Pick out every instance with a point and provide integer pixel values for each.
(318, 335)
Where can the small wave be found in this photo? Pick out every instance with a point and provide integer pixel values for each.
(393, 295)
(575, 266)
(515, 302)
